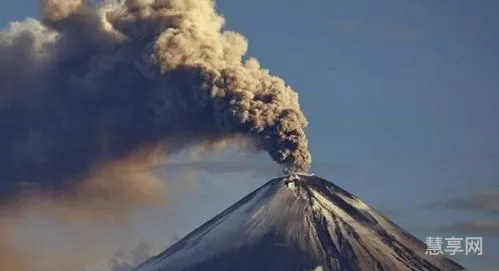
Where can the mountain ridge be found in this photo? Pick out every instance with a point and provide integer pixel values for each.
(295, 223)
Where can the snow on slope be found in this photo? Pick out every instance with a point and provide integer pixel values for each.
(297, 223)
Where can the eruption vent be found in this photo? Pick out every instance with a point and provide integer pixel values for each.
(90, 86)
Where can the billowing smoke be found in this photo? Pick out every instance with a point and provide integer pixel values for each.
(94, 96)
(138, 255)
(90, 86)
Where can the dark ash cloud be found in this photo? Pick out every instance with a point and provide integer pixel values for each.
(123, 261)
(484, 227)
(93, 96)
(221, 167)
(485, 201)
(90, 86)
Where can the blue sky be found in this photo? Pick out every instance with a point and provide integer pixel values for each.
(402, 100)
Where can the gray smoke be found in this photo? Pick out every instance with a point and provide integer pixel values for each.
(138, 255)
(92, 85)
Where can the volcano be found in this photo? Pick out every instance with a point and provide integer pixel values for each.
(297, 223)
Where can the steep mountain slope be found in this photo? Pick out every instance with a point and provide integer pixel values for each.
(297, 223)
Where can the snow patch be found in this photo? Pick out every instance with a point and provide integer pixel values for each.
(328, 224)
(291, 185)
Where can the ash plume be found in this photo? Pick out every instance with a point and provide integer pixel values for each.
(11, 257)
(89, 86)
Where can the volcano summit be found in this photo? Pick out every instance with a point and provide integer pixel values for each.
(296, 223)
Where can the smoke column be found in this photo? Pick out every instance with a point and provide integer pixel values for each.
(93, 85)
